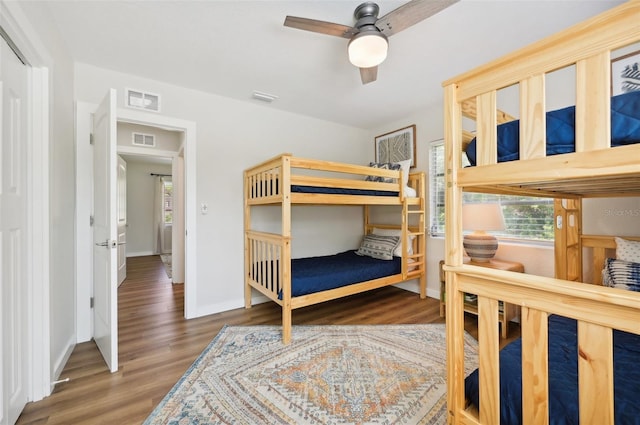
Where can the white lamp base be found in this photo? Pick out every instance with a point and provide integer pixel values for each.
(480, 247)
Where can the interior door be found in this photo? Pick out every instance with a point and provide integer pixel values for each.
(105, 261)
(14, 358)
(122, 220)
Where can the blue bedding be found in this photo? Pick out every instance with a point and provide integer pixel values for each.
(563, 377)
(324, 190)
(315, 274)
(625, 129)
(340, 191)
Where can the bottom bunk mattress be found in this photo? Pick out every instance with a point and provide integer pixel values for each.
(316, 274)
(563, 377)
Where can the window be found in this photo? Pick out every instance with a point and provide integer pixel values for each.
(525, 217)
(167, 201)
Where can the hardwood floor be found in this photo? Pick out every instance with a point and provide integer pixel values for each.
(157, 345)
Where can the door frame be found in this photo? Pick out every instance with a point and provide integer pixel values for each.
(84, 201)
(26, 39)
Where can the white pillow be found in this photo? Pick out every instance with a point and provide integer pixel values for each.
(405, 166)
(627, 250)
(410, 192)
(396, 232)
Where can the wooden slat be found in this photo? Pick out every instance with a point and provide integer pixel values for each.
(489, 368)
(595, 373)
(533, 123)
(593, 103)
(487, 137)
(535, 367)
(469, 111)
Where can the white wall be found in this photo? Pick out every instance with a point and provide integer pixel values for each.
(232, 136)
(61, 185)
(141, 236)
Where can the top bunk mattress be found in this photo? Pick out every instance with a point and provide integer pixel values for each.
(408, 191)
(625, 130)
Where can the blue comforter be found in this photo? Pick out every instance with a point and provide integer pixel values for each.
(563, 377)
(315, 274)
(625, 129)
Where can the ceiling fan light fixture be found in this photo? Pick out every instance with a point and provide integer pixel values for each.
(368, 49)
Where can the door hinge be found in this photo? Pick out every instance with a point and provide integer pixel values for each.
(91, 302)
(91, 138)
(91, 220)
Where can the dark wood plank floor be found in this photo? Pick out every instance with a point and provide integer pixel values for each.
(157, 345)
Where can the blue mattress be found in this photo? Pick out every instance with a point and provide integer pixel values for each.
(316, 274)
(324, 190)
(625, 129)
(340, 191)
(563, 377)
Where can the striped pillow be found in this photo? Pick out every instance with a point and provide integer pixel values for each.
(385, 166)
(380, 247)
(621, 274)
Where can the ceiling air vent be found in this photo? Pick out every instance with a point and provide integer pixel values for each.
(146, 140)
(143, 100)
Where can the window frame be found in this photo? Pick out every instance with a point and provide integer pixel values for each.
(511, 234)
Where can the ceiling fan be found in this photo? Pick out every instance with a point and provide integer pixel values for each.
(368, 37)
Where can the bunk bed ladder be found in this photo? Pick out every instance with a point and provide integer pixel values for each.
(413, 221)
(568, 244)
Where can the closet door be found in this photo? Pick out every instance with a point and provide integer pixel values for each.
(14, 76)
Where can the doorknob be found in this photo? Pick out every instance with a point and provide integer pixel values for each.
(107, 244)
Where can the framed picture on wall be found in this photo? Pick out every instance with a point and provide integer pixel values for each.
(397, 145)
(625, 73)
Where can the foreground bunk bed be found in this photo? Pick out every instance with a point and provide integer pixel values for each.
(389, 254)
(596, 318)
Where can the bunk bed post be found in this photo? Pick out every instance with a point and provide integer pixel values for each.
(453, 252)
(567, 241)
(422, 237)
(285, 261)
(247, 226)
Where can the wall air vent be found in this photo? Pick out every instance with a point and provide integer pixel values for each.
(143, 100)
(146, 140)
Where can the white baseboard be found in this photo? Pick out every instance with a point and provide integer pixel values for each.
(62, 360)
(411, 286)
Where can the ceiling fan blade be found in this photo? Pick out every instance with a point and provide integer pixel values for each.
(319, 26)
(409, 14)
(368, 75)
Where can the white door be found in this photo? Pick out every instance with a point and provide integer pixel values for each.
(105, 261)
(13, 212)
(122, 220)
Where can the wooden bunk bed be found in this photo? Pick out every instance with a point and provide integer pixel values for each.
(594, 169)
(286, 181)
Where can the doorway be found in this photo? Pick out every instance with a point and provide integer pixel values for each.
(183, 164)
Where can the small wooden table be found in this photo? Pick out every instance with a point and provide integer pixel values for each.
(508, 312)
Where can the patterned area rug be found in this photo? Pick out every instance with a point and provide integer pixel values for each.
(166, 260)
(382, 374)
